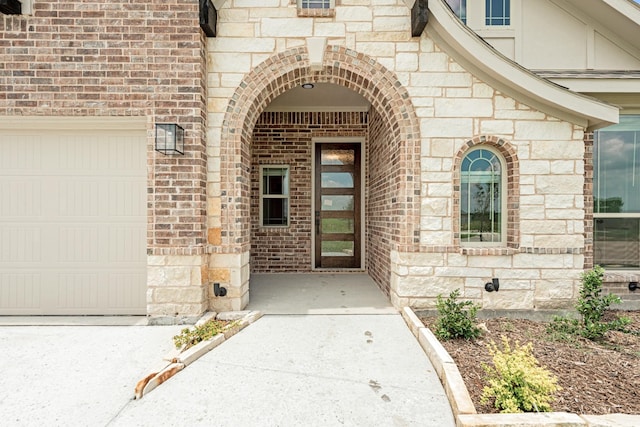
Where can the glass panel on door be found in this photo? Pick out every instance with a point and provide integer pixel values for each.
(337, 205)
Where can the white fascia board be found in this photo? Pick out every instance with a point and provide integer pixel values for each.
(586, 85)
(626, 8)
(486, 63)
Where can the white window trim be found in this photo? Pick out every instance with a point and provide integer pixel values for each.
(604, 215)
(503, 201)
(275, 196)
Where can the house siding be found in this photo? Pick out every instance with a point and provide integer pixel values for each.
(412, 249)
(150, 59)
(120, 58)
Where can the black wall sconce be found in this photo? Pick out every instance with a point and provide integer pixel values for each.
(169, 138)
(208, 18)
(10, 7)
(633, 286)
(219, 291)
(493, 285)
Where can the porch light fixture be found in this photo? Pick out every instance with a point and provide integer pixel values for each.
(208, 18)
(308, 86)
(169, 138)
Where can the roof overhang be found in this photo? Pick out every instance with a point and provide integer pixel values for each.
(490, 66)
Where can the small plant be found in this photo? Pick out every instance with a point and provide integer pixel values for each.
(516, 380)
(591, 306)
(456, 319)
(189, 337)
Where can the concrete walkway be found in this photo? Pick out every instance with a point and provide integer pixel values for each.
(322, 370)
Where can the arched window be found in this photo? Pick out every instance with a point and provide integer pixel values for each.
(482, 198)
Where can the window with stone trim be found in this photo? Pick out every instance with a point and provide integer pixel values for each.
(497, 12)
(482, 198)
(616, 194)
(274, 196)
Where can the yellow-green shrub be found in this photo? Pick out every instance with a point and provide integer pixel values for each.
(516, 380)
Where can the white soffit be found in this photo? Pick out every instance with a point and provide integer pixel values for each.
(479, 58)
(323, 97)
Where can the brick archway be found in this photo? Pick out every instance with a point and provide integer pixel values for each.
(289, 69)
(391, 107)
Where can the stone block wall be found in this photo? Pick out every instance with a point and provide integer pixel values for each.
(176, 290)
(263, 49)
(541, 260)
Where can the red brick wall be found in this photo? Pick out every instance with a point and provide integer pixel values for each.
(588, 201)
(120, 58)
(379, 202)
(286, 139)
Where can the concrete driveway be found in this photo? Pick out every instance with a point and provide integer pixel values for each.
(74, 375)
(283, 370)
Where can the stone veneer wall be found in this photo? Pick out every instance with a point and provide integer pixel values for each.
(259, 54)
(540, 263)
(287, 139)
(120, 58)
(421, 94)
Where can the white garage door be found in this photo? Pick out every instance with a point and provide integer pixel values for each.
(72, 222)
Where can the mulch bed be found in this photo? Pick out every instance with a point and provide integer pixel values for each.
(596, 377)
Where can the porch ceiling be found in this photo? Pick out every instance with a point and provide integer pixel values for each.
(323, 97)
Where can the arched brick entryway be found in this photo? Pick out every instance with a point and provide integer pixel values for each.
(398, 142)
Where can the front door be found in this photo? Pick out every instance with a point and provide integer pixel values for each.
(337, 205)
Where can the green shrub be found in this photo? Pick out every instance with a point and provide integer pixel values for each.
(189, 337)
(456, 319)
(591, 306)
(516, 380)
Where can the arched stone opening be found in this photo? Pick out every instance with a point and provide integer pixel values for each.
(392, 211)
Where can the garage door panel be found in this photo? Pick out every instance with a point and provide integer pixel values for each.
(127, 245)
(21, 154)
(20, 245)
(20, 291)
(77, 291)
(73, 222)
(123, 292)
(23, 197)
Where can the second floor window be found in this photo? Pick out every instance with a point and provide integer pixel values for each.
(497, 12)
(459, 7)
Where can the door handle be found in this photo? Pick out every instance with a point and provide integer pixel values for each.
(317, 222)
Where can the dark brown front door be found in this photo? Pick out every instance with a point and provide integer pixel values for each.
(337, 205)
